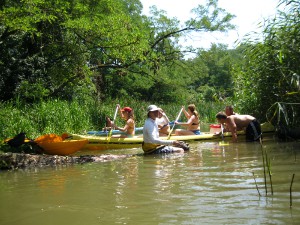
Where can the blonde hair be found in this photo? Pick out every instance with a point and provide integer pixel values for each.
(192, 108)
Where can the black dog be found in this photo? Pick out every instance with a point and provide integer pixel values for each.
(17, 140)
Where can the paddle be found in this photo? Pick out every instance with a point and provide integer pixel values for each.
(222, 130)
(115, 116)
(177, 118)
(222, 135)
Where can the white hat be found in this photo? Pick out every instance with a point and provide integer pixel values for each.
(152, 108)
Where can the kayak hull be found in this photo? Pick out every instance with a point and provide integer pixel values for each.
(66, 147)
(105, 143)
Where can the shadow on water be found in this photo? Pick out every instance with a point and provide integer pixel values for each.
(209, 184)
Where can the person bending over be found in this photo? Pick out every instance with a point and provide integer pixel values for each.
(240, 122)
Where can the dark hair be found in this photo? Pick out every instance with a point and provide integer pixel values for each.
(221, 115)
(229, 107)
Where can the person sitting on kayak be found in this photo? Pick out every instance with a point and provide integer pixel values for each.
(239, 122)
(107, 124)
(193, 123)
(152, 144)
(129, 128)
(163, 123)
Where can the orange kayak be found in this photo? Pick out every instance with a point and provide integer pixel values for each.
(53, 144)
(66, 147)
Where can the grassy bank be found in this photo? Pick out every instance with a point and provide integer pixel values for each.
(58, 116)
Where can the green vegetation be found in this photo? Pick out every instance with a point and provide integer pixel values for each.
(58, 116)
(270, 70)
(50, 49)
(65, 64)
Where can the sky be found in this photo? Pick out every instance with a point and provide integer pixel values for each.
(248, 14)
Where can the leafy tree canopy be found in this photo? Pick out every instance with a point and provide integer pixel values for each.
(58, 48)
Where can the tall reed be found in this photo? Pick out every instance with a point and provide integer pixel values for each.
(58, 116)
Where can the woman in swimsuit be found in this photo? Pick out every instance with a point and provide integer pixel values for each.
(129, 128)
(193, 123)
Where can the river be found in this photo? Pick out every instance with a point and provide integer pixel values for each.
(210, 184)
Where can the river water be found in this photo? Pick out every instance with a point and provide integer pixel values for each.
(210, 184)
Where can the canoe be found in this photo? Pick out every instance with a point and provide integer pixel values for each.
(105, 143)
(65, 147)
(138, 130)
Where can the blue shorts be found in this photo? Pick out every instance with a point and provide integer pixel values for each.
(196, 132)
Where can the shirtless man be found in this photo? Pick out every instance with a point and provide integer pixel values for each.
(239, 122)
(229, 110)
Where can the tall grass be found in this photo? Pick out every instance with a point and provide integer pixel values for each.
(57, 116)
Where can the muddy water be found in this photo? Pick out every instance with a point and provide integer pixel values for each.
(211, 184)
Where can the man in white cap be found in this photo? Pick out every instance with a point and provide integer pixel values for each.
(152, 143)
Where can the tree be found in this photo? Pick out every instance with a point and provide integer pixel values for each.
(218, 61)
(51, 48)
(59, 43)
(165, 52)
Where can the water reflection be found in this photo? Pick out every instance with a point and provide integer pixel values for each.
(211, 184)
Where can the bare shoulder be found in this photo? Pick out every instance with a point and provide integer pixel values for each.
(130, 121)
(231, 118)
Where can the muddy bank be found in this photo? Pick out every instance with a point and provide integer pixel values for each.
(21, 160)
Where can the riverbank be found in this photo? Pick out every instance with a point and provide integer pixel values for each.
(10, 160)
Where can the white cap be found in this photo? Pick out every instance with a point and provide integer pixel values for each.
(152, 108)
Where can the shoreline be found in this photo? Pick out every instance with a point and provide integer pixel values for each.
(13, 161)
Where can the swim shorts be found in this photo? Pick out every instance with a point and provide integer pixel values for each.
(253, 131)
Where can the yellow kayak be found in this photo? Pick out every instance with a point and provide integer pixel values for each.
(114, 142)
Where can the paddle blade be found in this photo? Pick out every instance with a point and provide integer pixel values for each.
(223, 143)
(110, 132)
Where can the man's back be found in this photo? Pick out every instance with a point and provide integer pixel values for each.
(241, 121)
